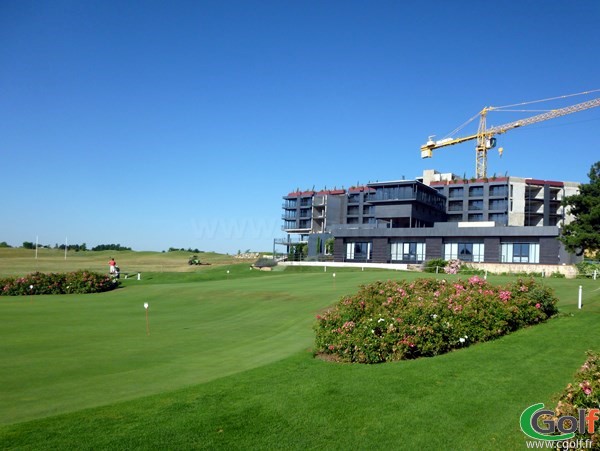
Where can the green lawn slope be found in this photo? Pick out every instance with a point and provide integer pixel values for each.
(227, 365)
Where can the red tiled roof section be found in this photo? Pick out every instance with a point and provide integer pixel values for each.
(360, 189)
(544, 182)
(330, 191)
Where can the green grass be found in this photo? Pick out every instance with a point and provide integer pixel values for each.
(23, 261)
(228, 365)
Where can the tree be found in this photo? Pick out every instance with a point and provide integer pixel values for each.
(583, 234)
(298, 251)
(329, 243)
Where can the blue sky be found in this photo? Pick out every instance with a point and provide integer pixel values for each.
(183, 123)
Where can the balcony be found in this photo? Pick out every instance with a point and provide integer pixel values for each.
(288, 241)
(296, 229)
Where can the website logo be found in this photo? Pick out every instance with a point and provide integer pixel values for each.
(541, 424)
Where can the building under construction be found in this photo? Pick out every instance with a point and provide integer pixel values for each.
(487, 220)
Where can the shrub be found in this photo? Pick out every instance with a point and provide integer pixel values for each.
(468, 269)
(434, 264)
(453, 267)
(79, 282)
(586, 268)
(394, 320)
(583, 393)
(265, 263)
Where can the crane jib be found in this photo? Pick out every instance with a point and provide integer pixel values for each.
(485, 136)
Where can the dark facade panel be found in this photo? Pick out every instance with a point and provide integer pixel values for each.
(492, 249)
(393, 211)
(339, 250)
(433, 248)
(549, 251)
(381, 250)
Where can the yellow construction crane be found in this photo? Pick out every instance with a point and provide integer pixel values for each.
(486, 136)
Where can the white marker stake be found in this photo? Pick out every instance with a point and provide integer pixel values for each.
(147, 320)
(579, 304)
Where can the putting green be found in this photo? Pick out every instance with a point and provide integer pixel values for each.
(64, 353)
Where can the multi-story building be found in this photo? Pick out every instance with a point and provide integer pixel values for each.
(496, 220)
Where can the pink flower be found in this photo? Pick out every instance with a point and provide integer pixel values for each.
(331, 347)
(586, 387)
(476, 280)
(538, 305)
(504, 295)
(349, 325)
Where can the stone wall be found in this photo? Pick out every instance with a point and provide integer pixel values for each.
(569, 271)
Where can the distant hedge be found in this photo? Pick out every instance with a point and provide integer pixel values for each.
(78, 282)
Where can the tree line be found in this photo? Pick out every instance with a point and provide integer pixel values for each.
(73, 247)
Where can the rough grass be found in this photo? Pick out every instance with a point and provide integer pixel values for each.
(18, 261)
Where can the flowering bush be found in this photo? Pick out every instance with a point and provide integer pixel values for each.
(394, 320)
(453, 267)
(583, 393)
(79, 282)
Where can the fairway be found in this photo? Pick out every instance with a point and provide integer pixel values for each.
(227, 364)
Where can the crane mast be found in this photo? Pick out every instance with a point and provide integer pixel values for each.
(485, 139)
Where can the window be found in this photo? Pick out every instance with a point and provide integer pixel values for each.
(498, 204)
(476, 205)
(500, 190)
(455, 205)
(476, 191)
(358, 251)
(499, 218)
(408, 252)
(353, 198)
(352, 211)
(468, 252)
(456, 192)
(475, 217)
(520, 252)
